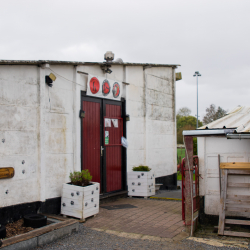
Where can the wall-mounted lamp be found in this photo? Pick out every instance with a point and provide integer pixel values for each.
(109, 57)
(127, 118)
(49, 79)
(106, 68)
(82, 114)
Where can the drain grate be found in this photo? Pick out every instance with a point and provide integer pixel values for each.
(122, 206)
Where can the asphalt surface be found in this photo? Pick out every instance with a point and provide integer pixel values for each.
(87, 238)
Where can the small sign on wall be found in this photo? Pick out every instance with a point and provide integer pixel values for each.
(107, 122)
(104, 88)
(115, 122)
(106, 137)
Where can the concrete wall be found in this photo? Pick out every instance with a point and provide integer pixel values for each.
(230, 151)
(151, 131)
(19, 124)
(40, 126)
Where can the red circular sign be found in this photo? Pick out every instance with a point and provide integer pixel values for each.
(105, 87)
(94, 85)
(116, 89)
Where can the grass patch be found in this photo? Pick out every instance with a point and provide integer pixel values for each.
(180, 154)
(179, 176)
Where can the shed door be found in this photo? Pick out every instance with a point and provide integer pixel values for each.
(113, 149)
(91, 137)
(104, 165)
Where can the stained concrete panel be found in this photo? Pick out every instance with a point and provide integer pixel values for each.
(18, 118)
(20, 191)
(135, 158)
(18, 142)
(135, 93)
(136, 141)
(61, 101)
(16, 161)
(155, 112)
(135, 109)
(64, 77)
(18, 85)
(136, 125)
(58, 168)
(134, 76)
(160, 141)
(158, 127)
(59, 141)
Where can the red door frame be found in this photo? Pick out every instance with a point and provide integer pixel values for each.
(103, 102)
(196, 197)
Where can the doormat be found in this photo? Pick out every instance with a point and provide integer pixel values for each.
(122, 206)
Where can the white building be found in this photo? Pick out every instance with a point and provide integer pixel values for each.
(231, 146)
(44, 139)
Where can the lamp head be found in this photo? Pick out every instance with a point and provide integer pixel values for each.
(49, 79)
(109, 56)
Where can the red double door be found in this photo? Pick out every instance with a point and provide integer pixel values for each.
(103, 155)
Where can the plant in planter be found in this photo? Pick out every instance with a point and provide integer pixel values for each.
(80, 197)
(141, 168)
(141, 182)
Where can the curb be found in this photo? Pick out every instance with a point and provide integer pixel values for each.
(41, 236)
(220, 243)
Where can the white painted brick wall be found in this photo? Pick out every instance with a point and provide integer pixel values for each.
(41, 125)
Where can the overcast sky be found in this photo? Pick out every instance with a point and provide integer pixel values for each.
(210, 36)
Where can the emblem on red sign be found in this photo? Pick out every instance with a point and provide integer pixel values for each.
(116, 89)
(105, 87)
(94, 85)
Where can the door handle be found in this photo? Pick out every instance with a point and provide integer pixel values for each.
(102, 148)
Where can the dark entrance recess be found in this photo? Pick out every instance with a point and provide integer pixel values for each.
(106, 162)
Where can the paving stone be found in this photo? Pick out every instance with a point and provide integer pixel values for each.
(155, 218)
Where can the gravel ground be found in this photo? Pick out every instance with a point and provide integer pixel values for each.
(91, 239)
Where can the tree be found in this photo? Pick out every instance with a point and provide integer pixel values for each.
(213, 114)
(185, 111)
(185, 123)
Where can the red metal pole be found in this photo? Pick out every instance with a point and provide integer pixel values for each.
(188, 140)
(183, 187)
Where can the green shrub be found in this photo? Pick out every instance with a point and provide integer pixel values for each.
(141, 168)
(80, 178)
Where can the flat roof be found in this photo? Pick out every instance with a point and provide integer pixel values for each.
(38, 62)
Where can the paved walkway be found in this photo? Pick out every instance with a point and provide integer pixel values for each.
(142, 217)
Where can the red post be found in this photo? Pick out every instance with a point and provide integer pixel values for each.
(188, 141)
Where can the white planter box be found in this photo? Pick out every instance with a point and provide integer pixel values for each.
(141, 183)
(80, 202)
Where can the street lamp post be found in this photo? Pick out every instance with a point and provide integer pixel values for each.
(196, 74)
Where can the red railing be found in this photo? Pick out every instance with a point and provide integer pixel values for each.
(196, 197)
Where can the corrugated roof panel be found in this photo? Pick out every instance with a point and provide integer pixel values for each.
(238, 118)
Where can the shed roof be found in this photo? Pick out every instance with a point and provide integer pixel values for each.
(238, 118)
(39, 62)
